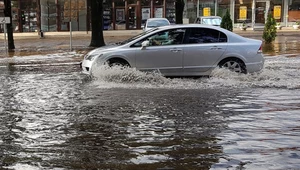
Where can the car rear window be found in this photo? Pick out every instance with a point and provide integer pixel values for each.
(211, 21)
(157, 23)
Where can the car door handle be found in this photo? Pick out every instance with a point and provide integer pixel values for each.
(175, 50)
(215, 48)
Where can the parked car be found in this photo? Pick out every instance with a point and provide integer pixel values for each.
(155, 22)
(181, 50)
(121, 25)
(209, 20)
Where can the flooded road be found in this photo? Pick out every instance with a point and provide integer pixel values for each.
(53, 117)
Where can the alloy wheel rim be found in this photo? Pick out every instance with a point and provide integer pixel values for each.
(233, 66)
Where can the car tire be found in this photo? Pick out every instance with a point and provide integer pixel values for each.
(115, 62)
(234, 64)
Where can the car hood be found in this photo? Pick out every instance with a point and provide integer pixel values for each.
(104, 49)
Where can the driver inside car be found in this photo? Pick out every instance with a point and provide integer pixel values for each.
(158, 39)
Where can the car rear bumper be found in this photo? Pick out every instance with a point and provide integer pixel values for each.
(255, 67)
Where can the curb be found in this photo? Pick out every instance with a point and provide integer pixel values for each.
(130, 33)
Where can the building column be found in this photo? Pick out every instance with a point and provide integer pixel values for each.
(267, 10)
(232, 6)
(216, 7)
(113, 14)
(20, 24)
(285, 13)
(88, 16)
(198, 8)
(151, 9)
(38, 15)
(126, 16)
(164, 9)
(185, 9)
(138, 11)
(58, 12)
(253, 14)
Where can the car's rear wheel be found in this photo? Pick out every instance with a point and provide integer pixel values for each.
(234, 64)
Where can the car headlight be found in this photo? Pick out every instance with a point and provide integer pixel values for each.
(91, 57)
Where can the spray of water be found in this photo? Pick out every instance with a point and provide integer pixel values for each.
(279, 72)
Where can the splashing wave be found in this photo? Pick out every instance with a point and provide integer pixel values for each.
(279, 72)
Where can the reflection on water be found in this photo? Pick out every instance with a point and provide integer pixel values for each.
(282, 45)
(56, 118)
(264, 135)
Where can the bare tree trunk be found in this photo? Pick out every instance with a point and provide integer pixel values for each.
(179, 7)
(97, 23)
(7, 13)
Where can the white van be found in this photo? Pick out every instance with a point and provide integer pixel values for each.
(209, 20)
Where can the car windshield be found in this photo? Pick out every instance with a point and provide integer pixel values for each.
(157, 23)
(211, 21)
(137, 36)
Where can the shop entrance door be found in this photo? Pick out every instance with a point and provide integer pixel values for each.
(260, 12)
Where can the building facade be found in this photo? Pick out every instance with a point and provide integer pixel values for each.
(56, 15)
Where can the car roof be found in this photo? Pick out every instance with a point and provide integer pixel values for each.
(190, 26)
(210, 17)
(152, 19)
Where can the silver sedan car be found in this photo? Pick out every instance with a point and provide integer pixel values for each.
(181, 50)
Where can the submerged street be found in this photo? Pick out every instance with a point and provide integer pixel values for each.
(54, 117)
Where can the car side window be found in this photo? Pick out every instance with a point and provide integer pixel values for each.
(206, 35)
(169, 37)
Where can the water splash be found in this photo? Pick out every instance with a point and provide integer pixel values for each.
(119, 74)
(279, 72)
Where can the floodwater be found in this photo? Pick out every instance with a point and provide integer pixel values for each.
(283, 45)
(53, 117)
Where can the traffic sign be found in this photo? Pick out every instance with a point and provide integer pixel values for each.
(4, 20)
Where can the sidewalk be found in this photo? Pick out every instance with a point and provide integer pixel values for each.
(128, 33)
(31, 43)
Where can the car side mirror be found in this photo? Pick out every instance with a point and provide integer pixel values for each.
(145, 44)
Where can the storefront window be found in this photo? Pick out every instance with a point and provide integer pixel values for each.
(119, 3)
(294, 5)
(223, 6)
(146, 3)
(56, 15)
(24, 15)
(48, 15)
(294, 11)
(131, 1)
(243, 12)
(158, 2)
(170, 10)
(276, 8)
(207, 8)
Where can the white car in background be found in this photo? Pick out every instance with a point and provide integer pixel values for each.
(155, 22)
(209, 20)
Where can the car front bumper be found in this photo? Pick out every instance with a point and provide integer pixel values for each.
(86, 67)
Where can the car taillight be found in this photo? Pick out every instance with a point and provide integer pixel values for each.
(260, 49)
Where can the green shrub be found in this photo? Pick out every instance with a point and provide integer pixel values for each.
(226, 22)
(269, 33)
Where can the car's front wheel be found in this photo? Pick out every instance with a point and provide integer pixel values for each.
(233, 64)
(118, 62)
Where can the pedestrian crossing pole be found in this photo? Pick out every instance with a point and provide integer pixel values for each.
(5, 42)
(70, 35)
(4, 21)
(70, 25)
